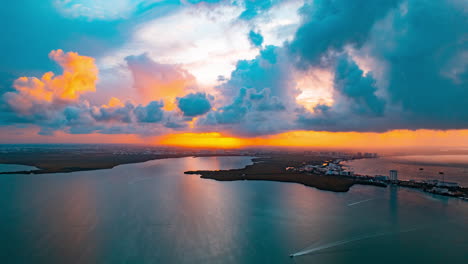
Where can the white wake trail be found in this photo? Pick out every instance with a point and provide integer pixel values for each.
(342, 242)
(363, 201)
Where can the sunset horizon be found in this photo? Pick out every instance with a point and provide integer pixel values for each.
(234, 131)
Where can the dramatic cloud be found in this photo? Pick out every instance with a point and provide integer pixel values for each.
(331, 25)
(53, 102)
(424, 57)
(208, 39)
(415, 46)
(194, 104)
(79, 76)
(356, 105)
(359, 88)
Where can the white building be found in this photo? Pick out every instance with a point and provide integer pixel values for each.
(393, 175)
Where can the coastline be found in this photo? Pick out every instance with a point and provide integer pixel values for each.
(273, 169)
(70, 162)
(264, 168)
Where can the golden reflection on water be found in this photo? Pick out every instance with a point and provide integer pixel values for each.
(208, 208)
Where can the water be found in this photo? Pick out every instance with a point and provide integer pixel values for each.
(15, 167)
(454, 167)
(152, 213)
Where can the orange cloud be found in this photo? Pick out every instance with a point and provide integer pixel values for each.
(156, 81)
(114, 102)
(79, 76)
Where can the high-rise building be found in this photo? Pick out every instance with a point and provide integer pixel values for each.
(393, 175)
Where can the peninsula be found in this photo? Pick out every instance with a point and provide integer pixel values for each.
(279, 167)
(321, 172)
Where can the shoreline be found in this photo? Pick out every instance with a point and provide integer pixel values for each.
(274, 169)
(261, 171)
(264, 168)
(74, 163)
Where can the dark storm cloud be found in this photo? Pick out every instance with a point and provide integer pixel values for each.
(357, 87)
(420, 47)
(330, 25)
(426, 53)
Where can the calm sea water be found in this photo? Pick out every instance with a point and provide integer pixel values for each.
(15, 167)
(152, 213)
(454, 167)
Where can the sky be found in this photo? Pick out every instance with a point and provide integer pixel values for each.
(218, 73)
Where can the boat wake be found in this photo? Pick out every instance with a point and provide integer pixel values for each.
(363, 201)
(309, 250)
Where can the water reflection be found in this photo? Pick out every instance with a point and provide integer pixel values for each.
(393, 207)
(153, 213)
(411, 169)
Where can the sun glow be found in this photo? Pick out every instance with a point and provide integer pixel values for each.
(350, 140)
(299, 139)
(205, 140)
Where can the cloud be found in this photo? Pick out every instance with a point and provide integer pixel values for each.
(194, 104)
(152, 113)
(270, 70)
(359, 88)
(416, 49)
(349, 66)
(356, 107)
(256, 39)
(101, 9)
(203, 39)
(331, 25)
(79, 76)
(255, 7)
(54, 102)
(207, 39)
(82, 118)
(250, 113)
(154, 81)
(118, 113)
(422, 60)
